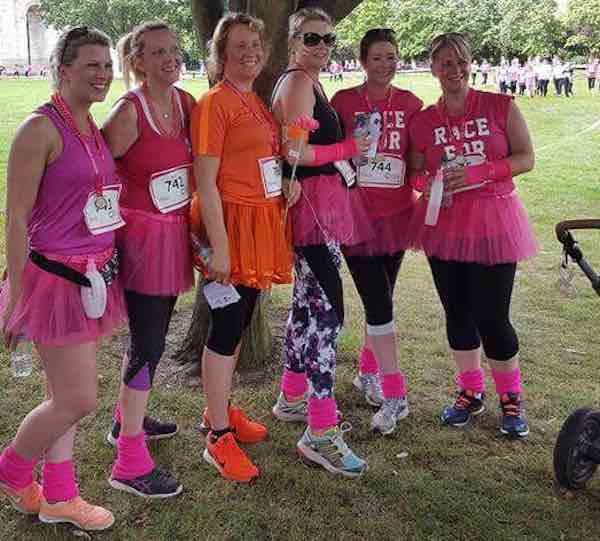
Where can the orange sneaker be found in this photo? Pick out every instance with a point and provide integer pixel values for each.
(78, 512)
(27, 500)
(229, 459)
(244, 430)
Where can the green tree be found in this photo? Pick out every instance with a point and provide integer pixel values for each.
(583, 24)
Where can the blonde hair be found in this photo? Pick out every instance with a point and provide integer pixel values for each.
(298, 19)
(453, 40)
(131, 45)
(67, 48)
(215, 63)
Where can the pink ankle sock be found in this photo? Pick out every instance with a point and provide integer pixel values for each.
(58, 482)
(117, 413)
(293, 384)
(322, 413)
(133, 458)
(507, 382)
(472, 381)
(394, 385)
(367, 363)
(15, 471)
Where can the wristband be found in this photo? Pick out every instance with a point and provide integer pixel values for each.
(334, 153)
(419, 181)
(496, 170)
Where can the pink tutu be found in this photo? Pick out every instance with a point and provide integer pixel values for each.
(482, 228)
(50, 312)
(155, 253)
(328, 211)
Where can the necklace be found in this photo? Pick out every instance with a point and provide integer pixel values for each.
(175, 128)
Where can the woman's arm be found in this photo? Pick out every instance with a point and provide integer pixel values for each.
(522, 156)
(120, 128)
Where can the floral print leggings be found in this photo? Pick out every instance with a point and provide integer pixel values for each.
(316, 317)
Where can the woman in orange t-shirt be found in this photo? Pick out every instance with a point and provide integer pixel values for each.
(236, 143)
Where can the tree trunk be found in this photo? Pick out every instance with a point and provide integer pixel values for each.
(256, 342)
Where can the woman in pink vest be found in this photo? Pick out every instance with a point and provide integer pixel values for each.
(62, 292)
(475, 143)
(147, 133)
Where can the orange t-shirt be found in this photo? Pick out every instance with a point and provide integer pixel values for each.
(239, 132)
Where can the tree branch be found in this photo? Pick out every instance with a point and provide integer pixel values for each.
(206, 15)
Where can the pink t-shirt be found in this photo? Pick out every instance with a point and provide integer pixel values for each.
(484, 136)
(397, 111)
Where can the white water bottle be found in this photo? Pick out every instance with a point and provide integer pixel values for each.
(21, 358)
(435, 198)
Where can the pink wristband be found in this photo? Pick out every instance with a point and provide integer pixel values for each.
(496, 170)
(418, 181)
(333, 153)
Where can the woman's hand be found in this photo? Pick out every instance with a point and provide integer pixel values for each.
(291, 191)
(9, 339)
(454, 178)
(362, 144)
(219, 266)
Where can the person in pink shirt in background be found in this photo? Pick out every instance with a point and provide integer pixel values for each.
(478, 141)
(389, 200)
(62, 211)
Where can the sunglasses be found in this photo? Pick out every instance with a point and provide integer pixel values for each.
(72, 35)
(312, 39)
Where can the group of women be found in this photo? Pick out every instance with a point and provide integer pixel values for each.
(99, 222)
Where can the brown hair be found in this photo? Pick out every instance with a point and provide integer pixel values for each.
(67, 47)
(298, 19)
(215, 63)
(376, 35)
(131, 46)
(453, 40)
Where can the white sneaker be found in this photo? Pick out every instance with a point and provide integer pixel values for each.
(370, 385)
(290, 412)
(391, 411)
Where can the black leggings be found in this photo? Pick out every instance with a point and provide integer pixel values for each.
(543, 83)
(476, 299)
(591, 83)
(375, 278)
(227, 324)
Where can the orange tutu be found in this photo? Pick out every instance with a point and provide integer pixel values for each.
(260, 250)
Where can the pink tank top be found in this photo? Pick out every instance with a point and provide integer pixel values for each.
(484, 136)
(57, 225)
(397, 111)
(152, 153)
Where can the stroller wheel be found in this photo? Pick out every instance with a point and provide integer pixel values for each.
(573, 466)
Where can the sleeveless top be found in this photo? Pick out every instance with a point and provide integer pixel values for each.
(57, 224)
(151, 153)
(328, 133)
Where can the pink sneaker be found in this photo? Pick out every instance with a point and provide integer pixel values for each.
(27, 500)
(78, 512)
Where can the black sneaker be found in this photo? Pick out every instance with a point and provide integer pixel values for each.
(467, 405)
(154, 429)
(514, 424)
(156, 484)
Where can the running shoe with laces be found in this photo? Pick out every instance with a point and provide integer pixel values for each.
(331, 451)
(154, 429)
(370, 385)
(467, 404)
(155, 484)
(291, 411)
(230, 461)
(27, 500)
(244, 430)
(514, 423)
(391, 411)
(78, 512)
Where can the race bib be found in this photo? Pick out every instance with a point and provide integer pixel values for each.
(386, 171)
(219, 296)
(345, 169)
(271, 174)
(170, 189)
(102, 213)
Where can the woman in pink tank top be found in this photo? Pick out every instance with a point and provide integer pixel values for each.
(62, 211)
(147, 133)
(472, 226)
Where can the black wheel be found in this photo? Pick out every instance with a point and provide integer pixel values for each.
(572, 466)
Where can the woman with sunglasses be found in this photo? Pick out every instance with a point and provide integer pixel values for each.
(62, 211)
(239, 210)
(147, 132)
(325, 216)
(481, 142)
(374, 265)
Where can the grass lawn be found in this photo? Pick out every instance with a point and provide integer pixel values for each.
(452, 484)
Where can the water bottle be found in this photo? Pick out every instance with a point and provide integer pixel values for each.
(361, 128)
(21, 358)
(436, 195)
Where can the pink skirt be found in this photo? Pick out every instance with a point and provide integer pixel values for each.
(155, 253)
(328, 211)
(50, 312)
(392, 234)
(479, 228)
